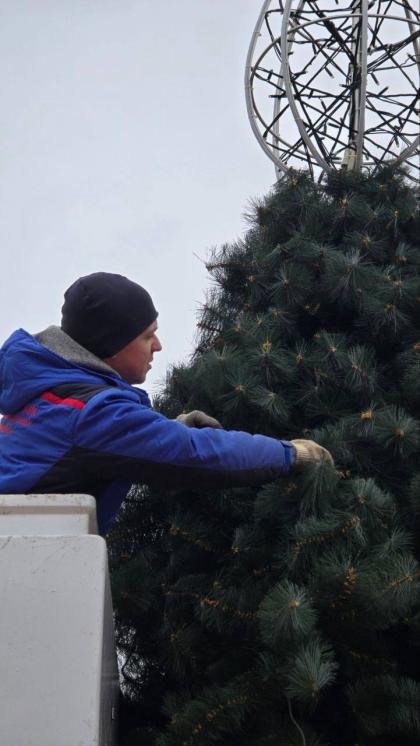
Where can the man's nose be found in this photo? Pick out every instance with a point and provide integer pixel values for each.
(157, 345)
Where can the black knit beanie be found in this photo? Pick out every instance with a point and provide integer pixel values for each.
(103, 312)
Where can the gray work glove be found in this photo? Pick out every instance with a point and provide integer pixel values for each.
(198, 419)
(308, 451)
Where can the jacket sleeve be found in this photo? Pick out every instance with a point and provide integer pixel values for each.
(118, 437)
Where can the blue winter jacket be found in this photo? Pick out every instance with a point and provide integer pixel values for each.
(71, 424)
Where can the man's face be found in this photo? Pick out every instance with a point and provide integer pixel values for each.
(134, 361)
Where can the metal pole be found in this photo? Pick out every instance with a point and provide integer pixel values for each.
(362, 83)
(356, 77)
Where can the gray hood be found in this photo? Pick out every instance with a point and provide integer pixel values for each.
(54, 339)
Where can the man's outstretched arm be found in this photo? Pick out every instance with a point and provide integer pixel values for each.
(117, 437)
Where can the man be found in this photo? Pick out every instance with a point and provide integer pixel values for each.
(74, 422)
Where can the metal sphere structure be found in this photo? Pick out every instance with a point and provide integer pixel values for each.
(333, 85)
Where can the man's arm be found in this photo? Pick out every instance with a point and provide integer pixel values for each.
(117, 437)
(306, 451)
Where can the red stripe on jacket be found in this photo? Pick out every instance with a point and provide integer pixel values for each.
(18, 419)
(53, 399)
(29, 409)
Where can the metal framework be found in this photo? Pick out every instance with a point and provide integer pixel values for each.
(333, 85)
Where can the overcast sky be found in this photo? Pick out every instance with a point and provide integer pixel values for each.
(125, 147)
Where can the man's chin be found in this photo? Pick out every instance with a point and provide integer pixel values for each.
(136, 380)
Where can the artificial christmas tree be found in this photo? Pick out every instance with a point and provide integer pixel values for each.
(290, 614)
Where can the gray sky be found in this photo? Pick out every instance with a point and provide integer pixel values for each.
(125, 147)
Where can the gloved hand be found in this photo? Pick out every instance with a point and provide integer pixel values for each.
(198, 419)
(308, 450)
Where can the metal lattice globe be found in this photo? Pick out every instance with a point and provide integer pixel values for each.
(331, 85)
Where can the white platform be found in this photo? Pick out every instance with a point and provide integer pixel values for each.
(32, 515)
(59, 677)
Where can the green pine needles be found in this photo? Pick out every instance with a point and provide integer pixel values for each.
(289, 615)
